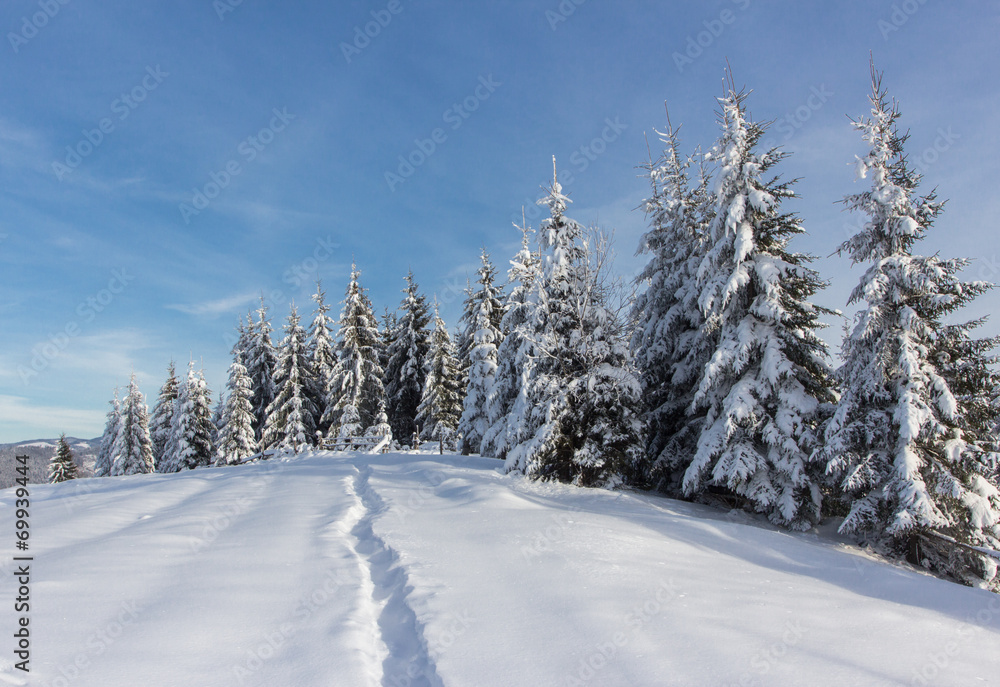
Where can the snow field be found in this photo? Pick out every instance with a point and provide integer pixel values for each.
(420, 569)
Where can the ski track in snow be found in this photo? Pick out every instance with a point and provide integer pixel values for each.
(401, 635)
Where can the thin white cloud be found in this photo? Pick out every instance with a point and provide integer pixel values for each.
(214, 308)
(20, 412)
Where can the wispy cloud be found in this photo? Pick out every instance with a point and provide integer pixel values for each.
(18, 411)
(214, 308)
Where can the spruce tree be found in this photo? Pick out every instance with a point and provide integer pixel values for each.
(465, 335)
(355, 391)
(260, 360)
(237, 440)
(162, 417)
(381, 427)
(670, 343)
(105, 454)
(514, 356)
(62, 467)
(768, 382)
(218, 418)
(907, 441)
(133, 451)
(483, 316)
(441, 402)
(291, 416)
(583, 425)
(190, 444)
(322, 355)
(407, 353)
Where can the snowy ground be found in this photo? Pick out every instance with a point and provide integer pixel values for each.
(405, 569)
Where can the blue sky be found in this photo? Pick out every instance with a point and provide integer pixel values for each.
(116, 115)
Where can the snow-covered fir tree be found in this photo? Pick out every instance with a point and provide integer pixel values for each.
(218, 418)
(583, 392)
(190, 444)
(506, 400)
(237, 440)
(768, 383)
(62, 466)
(386, 334)
(670, 343)
(464, 336)
(133, 450)
(906, 442)
(260, 360)
(483, 315)
(291, 417)
(354, 391)
(380, 428)
(407, 353)
(162, 418)
(322, 353)
(112, 426)
(441, 401)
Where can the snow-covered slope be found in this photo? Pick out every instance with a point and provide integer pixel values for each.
(418, 569)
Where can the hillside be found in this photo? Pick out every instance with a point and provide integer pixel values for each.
(404, 569)
(40, 452)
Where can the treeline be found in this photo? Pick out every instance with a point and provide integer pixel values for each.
(712, 384)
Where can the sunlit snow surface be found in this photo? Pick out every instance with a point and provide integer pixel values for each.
(419, 569)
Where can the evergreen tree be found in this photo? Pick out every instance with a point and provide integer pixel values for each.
(514, 355)
(237, 440)
(133, 451)
(768, 382)
(381, 426)
(670, 343)
(62, 468)
(322, 355)
(441, 402)
(407, 352)
(105, 454)
(260, 360)
(291, 416)
(583, 394)
(386, 335)
(906, 442)
(190, 444)
(465, 336)
(162, 419)
(218, 419)
(483, 316)
(355, 391)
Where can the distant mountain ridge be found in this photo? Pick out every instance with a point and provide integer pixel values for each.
(40, 452)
